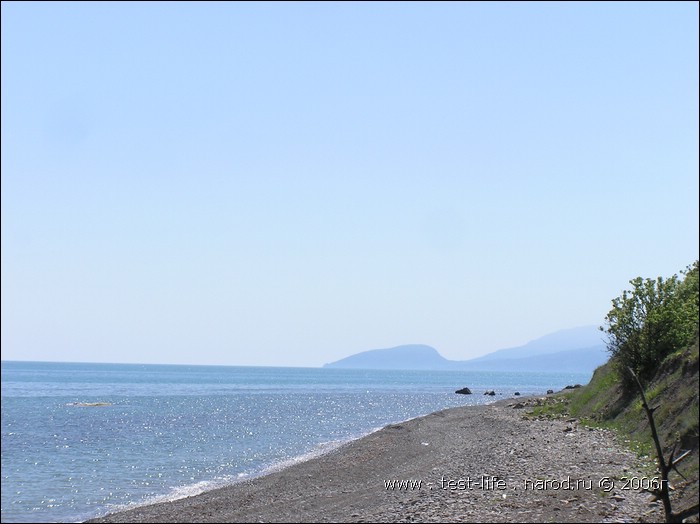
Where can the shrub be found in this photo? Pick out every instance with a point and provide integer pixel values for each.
(652, 320)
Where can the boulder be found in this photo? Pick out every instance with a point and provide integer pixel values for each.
(550, 392)
(492, 392)
(464, 391)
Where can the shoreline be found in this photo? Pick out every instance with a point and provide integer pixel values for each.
(274, 467)
(484, 463)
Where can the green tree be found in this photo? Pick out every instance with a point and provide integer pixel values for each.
(686, 309)
(652, 320)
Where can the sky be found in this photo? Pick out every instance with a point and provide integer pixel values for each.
(286, 184)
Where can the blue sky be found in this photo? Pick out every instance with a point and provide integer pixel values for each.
(290, 183)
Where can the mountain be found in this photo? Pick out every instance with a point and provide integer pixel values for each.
(415, 356)
(582, 360)
(564, 340)
(570, 350)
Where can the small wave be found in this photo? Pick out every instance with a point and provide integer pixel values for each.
(175, 493)
(88, 404)
(320, 449)
(190, 490)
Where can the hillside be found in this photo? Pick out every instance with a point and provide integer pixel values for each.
(673, 392)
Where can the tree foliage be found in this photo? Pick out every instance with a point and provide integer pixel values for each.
(652, 320)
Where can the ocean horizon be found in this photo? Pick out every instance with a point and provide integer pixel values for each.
(82, 439)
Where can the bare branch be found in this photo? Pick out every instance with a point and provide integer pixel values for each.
(684, 455)
(688, 512)
(665, 498)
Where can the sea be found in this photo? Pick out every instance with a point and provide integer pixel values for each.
(81, 440)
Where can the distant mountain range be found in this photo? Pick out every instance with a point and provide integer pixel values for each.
(571, 350)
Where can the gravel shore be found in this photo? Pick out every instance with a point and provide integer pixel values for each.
(471, 464)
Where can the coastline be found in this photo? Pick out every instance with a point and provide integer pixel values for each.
(483, 463)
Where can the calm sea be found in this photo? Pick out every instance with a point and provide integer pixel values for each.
(80, 440)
